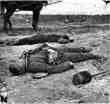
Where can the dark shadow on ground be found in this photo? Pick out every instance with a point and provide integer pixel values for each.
(23, 29)
(76, 28)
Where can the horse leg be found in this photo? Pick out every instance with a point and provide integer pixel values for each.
(7, 19)
(33, 20)
(5, 23)
(9, 16)
(10, 24)
(36, 14)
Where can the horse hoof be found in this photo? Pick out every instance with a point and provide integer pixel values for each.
(35, 29)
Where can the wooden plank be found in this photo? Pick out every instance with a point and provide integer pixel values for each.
(49, 1)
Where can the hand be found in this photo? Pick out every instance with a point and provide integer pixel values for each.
(71, 64)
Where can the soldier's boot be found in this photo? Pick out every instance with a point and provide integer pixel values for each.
(36, 67)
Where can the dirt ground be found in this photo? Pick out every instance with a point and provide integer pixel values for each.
(58, 88)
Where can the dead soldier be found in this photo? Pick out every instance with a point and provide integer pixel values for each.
(51, 60)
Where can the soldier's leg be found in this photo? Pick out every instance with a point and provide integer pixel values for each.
(76, 49)
(78, 57)
(43, 67)
(60, 67)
